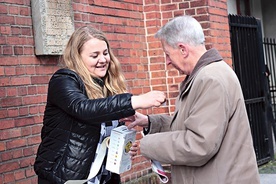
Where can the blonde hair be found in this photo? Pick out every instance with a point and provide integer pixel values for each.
(114, 81)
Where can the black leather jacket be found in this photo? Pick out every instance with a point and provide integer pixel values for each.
(71, 127)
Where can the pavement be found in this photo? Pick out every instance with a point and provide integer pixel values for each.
(268, 178)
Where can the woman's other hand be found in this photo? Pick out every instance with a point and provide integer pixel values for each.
(147, 100)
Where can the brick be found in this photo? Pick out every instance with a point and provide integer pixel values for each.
(21, 80)
(29, 100)
(24, 121)
(6, 156)
(28, 50)
(17, 153)
(2, 73)
(7, 50)
(25, 11)
(10, 133)
(13, 112)
(30, 172)
(29, 151)
(9, 61)
(38, 119)
(34, 140)
(150, 8)
(3, 8)
(8, 177)
(26, 131)
(35, 109)
(24, 21)
(201, 10)
(142, 75)
(159, 88)
(184, 5)
(27, 161)
(198, 3)
(16, 30)
(6, 123)
(18, 50)
(2, 146)
(32, 90)
(153, 15)
(6, 19)
(9, 71)
(9, 166)
(23, 111)
(190, 12)
(14, 10)
(5, 30)
(11, 101)
(19, 175)
(16, 143)
(14, 40)
(3, 113)
(27, 31)
(27, 60)
(216, 11)
(29, 41)
(22, 90)
(39, 80)
(169, 7)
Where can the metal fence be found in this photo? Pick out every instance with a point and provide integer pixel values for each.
(249, 65)
(270, 60)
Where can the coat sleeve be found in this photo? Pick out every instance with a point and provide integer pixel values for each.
(198, 138)
(67, 93)
(159, 123)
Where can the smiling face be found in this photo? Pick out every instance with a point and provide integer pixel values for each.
(96, 57)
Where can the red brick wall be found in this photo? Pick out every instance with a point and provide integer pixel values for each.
(130, 27)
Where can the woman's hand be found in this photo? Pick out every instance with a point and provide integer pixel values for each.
(147, 100)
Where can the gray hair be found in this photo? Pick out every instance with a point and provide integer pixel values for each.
(184, 29)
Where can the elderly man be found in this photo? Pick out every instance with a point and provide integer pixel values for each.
(208, 139)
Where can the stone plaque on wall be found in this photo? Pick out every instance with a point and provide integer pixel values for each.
(53, 24)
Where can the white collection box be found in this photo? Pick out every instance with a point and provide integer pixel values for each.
(118, 157)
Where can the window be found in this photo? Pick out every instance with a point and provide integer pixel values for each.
(243, 7)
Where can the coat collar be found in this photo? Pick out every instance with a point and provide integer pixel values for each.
(207, 58)
(99, 81)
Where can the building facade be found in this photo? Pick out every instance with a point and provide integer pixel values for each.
(129, 25)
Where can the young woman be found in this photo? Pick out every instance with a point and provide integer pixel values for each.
(85, 100)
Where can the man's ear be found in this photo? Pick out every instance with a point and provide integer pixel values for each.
(184, 50)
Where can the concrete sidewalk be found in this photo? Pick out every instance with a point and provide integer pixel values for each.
(268, 178)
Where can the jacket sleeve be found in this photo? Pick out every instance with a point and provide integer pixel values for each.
(67, 92)
(198, 138)
(159, 123)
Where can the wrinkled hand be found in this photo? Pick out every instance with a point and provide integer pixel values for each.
(147, 100)
(137, 119)
(134, 149)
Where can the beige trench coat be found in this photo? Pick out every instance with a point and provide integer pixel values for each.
(208, 140)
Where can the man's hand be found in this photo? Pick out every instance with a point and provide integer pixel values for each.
(137, 119)
(134, 149)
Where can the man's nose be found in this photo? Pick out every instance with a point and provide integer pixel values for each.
(168, 61)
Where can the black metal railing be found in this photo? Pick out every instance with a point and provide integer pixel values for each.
(270, 59)
(249, 65)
